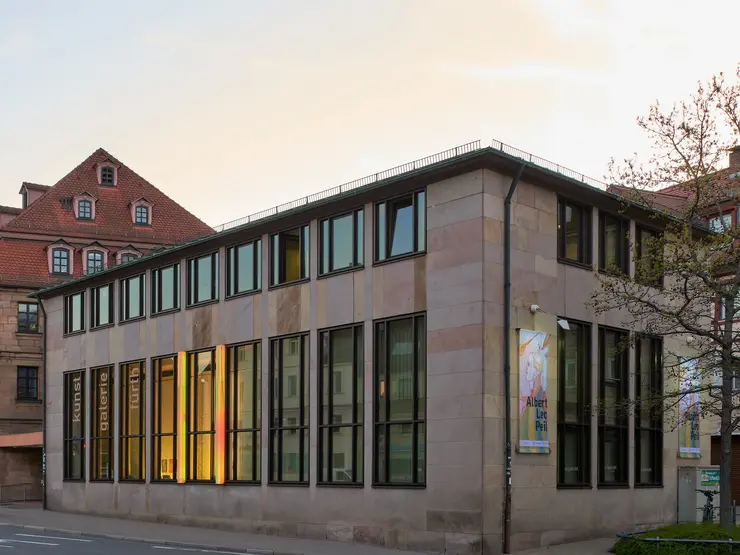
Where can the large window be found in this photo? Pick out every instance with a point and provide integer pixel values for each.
(74, 313)
(243, 404)
(649, 263)
(203, 279)
(244, 268)
(400, 402)
(289, 410)
(574, 232)
(201, 421)
(132, 298)
(164, 419)
(74, 425)
(28, 383)
(341, 395)
(101, 424)
(141, 215)
(84, 210)
(166, 289)
(613, 244)
(613, 419)
(649, 413)
(342, 242)
(574, 407)
(289, 256)
(400, 226)
(28, 317)
(101, 306)
(133, 421)
(95, 261)
(60, 261)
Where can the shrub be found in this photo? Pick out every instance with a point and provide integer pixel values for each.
(686, 532)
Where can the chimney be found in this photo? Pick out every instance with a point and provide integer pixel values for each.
(735, 157)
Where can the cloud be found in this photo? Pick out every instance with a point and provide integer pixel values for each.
(16, 44)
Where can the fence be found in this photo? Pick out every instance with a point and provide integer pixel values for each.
(19, 493)
(668, 542)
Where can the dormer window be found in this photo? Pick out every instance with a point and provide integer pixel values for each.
(84, 210)
(84, 206)
(128, 257)
(60, 261)
(141, 215)
(94, 261)
(127, 254)
(107, 176)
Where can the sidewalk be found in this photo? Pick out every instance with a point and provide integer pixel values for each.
(208, 538)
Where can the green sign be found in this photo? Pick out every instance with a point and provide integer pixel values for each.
(709, 478)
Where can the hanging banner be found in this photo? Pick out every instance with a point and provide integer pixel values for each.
(534, 347)
(689, 411)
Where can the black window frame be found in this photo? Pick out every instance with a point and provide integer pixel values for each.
(585, 239)
(419, 323)
(623, 245)
(655, 429)
(156, 289)
(27, 383)
(138, 211)
(95, 306)
(233, 431)
(24, 308)
(326, 242)
(68, 437)
(657, 282)
(193, 278)
(88, 209)
(98, 439)
(620, 425)
(94, 253)
(583, 426)
(383, 242)
(277, 259)
(327, 429)
(69, 313)
(276, 415)
(191, 412)
(232, 268)
(155, 444)
(124, 290)
(108, 176)
(61, 262)
(126, 439)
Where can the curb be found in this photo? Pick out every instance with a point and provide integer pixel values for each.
(168, 543)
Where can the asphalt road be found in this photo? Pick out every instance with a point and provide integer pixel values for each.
(22, 541)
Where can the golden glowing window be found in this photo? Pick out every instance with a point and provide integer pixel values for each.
(133, 418)
(201, 421)
(164, 422)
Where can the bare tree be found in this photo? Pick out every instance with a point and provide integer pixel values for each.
(682, 274)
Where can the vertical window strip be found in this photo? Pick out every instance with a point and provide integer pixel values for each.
(613, 417)
(132, 434)
(201, 416)
(165, 419)
(74, 426)
(101, 425)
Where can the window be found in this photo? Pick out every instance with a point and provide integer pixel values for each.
(723, 309)
(101, 425)
(289, 413)
(101, 306)
(400, 402)
(649, 412)
(60, 261)
(201, 421)
(613, 416)
(141, 215)
(74, 313)
(613, 244)
(164, 419)
(132, 298)
(289, 255)
(649, 263)
(401, 226)
(166, 289)
(107, 176)
(133, 421)
(28, 383)
(28, 317)
(244, 268)
(721, 224)
(203, 279)
(128, 257)
(244, 414)
(94, 261)
(84, 210)
(574, 232)
(74, 425)
(340, 414)
(574, 407)
(342, 242)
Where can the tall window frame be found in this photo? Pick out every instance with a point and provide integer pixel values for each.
(27, 318)
(195, 279)
(101, 306)
(348, 227)
(107, 176)
(244, 431)
(102, 445)
(205, 430)
(614, 256)
(161, 434)
(84, 209)
(241, 280)
(27, 383)
(281, 243)
(132, 431)
(389, 379)
(332, 423)
(132, 292)
(649, 411)
(141, 215)
(60, 261)
(94, 261)
(613, 416)
(74, 313)
(580, 231)
(283, 426)
(74, 426)
(649, 252)
(574, 425)
(388, 217)
(162, 279)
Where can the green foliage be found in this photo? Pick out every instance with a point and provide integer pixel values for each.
(686, 532)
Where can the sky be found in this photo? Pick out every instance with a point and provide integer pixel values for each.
(235, 106)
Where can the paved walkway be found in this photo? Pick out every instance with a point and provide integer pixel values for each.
(208, 538)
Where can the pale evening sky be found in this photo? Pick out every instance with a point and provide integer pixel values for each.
(234, 106)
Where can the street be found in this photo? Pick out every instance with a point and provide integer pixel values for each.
(28, 542)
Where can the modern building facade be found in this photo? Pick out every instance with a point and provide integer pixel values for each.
(100, 215)
(336, 369)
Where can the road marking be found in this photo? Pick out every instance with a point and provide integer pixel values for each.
(53, 538)
(33, 543)
(172, 548)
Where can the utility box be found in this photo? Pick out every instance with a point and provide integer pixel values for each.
(690, 501)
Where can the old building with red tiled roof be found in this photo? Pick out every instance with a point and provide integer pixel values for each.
(100, 214)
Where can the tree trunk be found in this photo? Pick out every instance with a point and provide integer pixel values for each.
(725, 465)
